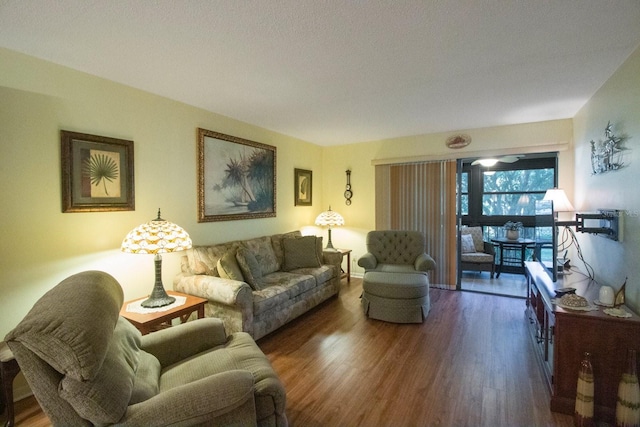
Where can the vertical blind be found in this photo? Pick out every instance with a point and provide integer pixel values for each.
(422, 197)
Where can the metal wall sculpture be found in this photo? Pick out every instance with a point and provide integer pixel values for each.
(608, 155)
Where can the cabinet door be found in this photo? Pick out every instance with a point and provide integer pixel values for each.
(550, 330)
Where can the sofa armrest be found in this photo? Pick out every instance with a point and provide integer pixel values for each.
(368, 261)
(199, 403)
(334, 259)
(424, 262)
(179, 342)
(217, 289)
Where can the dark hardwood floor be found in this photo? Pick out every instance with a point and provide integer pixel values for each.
(469, 364)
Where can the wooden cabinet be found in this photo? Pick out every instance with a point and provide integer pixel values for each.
(562, 336)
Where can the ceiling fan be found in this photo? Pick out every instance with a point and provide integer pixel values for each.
(493, 160)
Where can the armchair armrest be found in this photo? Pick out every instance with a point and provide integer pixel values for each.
(489, 248)
(368, 261)
(174, 344)
(217, 289)
(424, 262)
(199, 402)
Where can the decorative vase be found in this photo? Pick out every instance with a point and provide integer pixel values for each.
(513, 234)
(583, 415)
(628, 405)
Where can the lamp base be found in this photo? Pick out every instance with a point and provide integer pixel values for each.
(330, 244)
(154, 302)
(158, 297)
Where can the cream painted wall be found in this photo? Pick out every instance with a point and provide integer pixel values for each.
(617, 101)
(360, 158)
(42, 245)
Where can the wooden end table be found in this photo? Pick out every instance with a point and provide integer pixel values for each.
(346, 252)
(149, 322)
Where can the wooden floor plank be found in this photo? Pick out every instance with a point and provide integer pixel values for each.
(469, 364)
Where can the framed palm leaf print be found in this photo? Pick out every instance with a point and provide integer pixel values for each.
(97, 173)
(236, 178)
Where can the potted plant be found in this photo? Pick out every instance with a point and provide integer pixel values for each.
(513, 230)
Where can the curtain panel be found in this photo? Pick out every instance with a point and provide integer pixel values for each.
(422, 197)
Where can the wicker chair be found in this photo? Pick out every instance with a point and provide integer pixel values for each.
(479, 256)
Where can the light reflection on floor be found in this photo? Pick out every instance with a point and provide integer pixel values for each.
(506, 284)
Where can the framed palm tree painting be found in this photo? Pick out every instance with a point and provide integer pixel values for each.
(97, 173)
(236, 178)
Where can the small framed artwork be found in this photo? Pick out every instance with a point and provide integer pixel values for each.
(236, 178)
(97, 173)
(303, 187)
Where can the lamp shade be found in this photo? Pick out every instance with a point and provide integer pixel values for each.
(156, 237)
(560, 201)
(329, 219)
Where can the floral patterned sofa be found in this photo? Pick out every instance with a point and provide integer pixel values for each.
(258, 285)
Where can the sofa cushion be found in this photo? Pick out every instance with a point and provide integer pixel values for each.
(279, 288)
(322, 274)
(250, 268)
(77, 345)
(204, 259)
(262, 249)
(94, 399)
(228, 267)
(300, 253)
(466, 241)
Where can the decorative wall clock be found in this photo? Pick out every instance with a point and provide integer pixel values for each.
(348, 193)
(458, 141)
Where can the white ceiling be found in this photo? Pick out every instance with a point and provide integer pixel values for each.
(335, 72)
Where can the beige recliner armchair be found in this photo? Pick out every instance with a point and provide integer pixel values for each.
(86, 365)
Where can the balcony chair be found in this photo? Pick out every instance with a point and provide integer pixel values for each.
(87, 366)
(475, 253)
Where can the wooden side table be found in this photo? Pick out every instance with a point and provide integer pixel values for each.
(346, 252)
(8, 370)
(149, 322)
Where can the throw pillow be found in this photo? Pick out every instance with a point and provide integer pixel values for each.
(262, 249)
(250, 268)
(467, 244)
(300, 253)
(228, 267)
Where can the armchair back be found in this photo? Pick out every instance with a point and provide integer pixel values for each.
(396, 246)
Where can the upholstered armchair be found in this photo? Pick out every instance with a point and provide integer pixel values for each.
(396, 251)
(475, 253)
(86, 365)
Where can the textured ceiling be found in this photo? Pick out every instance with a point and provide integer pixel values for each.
(335, 72)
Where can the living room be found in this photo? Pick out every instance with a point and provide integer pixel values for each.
(44, 245)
